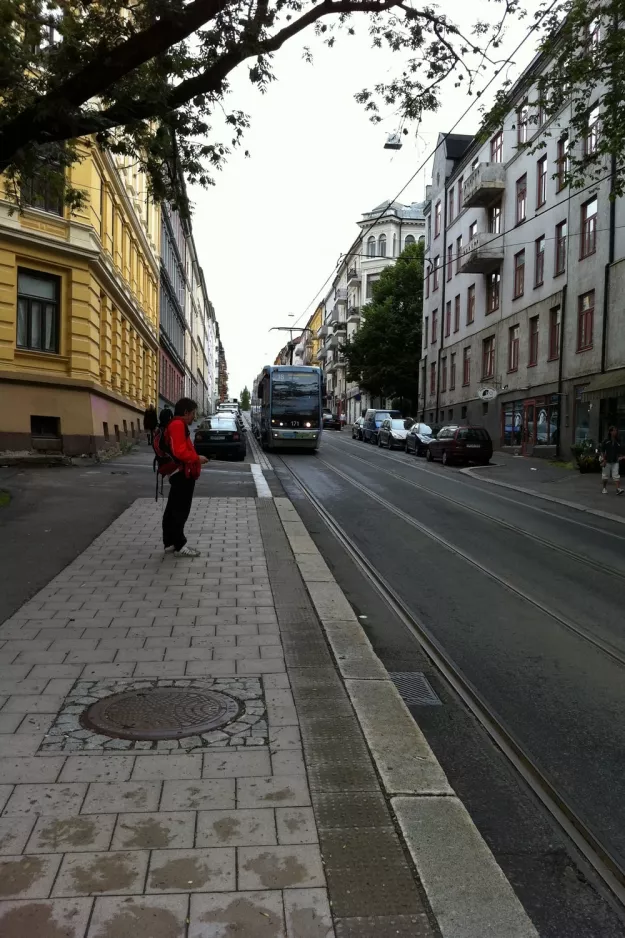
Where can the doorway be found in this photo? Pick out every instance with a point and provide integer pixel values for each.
(529, 428)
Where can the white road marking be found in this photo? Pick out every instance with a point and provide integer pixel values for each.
(262, 489)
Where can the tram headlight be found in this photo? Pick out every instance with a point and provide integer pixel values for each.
(307, 424)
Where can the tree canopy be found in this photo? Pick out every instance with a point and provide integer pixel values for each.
(245, 399)
(383, 356)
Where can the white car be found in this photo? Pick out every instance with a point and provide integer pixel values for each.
(393, 432)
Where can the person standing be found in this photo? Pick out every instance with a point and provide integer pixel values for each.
(150, 422)
(610, 468)
(182, 479)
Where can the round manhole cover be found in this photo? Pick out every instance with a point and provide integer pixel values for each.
(160, 713)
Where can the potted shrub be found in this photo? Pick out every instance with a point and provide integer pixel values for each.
(586, 456)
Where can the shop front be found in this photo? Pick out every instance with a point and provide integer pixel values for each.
(607, 392)
(531, 425)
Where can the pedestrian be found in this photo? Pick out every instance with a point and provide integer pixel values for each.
(150, 422)
(610, 453)
(181, 480)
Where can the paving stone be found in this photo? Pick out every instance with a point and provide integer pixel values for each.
(284, 737)
(14, 833)
(122, 797)
(159, 768)
(288, 762)
(236, 764)
(211, 668)
(93, 672)
(308, 913)
(118, 873)
(139, 654)
(152, 831)
(241, 828)
(35, 722)
(262, 666)
(22, 744)
(296, 826)
(71, 835)
(190, 871)
(58, 918)
(351, 809)
(9, 722)
(384, 926)
(59, 800)
(29, 769)
(159, 669)
(27, 877)
(275, 791)
(33, 703)
(198, 795)
(244, 914)
(281, 867)
(97, 769)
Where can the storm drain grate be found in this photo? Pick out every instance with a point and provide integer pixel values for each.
(415, 688)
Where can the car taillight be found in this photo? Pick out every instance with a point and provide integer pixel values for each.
(235, 436)
(199, 436)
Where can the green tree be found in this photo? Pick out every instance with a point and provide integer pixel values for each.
(147, 79)
(245, 399)
(383, 356)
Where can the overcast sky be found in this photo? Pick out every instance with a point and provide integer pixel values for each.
(270, 232)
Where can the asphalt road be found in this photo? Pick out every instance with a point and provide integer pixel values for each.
(528, 601)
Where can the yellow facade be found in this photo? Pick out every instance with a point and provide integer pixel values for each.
(314, 324)
(104, 263)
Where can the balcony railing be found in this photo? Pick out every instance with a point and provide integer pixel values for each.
(322, 331)
(340, 295)
(353, 275)
(332, 342)
(482, 255)
(353, 314)
(321, 354)
(485, 185)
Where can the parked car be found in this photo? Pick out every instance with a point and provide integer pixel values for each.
(393, 433)
(461, 445)
(373, 422)
(331, 421)
(220, 436)
(357, 428)
(418, 438)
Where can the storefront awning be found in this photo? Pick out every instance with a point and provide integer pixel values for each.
(611, 384)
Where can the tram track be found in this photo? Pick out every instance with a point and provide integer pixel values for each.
(607, 867)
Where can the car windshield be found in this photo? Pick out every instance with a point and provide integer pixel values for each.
(422, 429)
(295, 393)
(219, 423)
(398, 424)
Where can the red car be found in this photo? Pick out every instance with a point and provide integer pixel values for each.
(461, 445)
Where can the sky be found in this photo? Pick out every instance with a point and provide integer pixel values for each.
(270, 232)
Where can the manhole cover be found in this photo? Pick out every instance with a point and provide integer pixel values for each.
(160, 713)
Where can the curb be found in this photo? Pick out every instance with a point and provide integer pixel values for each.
(467, 890)
(546, 498)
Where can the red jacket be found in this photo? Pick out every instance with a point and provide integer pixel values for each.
(178, 439)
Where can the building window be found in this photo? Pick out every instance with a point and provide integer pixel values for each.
(484, 408)
(460, 193)
(382, 246)
(472, 230)
(409, 240)
(433, 378)
(45, 191)
(533, 346)
(519, 274)
(488, 357)
(434, 326)
(458, 253)
(592, 133)
(448, 318)
(513, 348)
(539, 261)
(450, 251)
(589, 227)
(560, 248)
(470, 304)
(582, 415)
(437, 219)
(463, 412)
(371, 247)
(105, 432)
(38, 318)
(457, 313)
(444, 374)
(452, 371)
(541, 182)
(585, 320)
(427, 280)
(426, 332)
(554, 333)
(466, 366)
(562, 163)
(496, 148)
(494, 219)
(542, 112)
(450, 413)
(521, 199)
(436, 263)
(521, 123)
(493, 289)
(450, 206)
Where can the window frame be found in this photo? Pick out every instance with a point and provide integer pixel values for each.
(448, 318)
(519, 275)
(560, 248)
(458, 253)
(470, 304)
(473, 230)
(533, 340)
(496, 147)
(444, 374)
(432, 378)
(585, 322)
(371, 243)
(488, 357)
(522, 116)
(466, 366)
(452, 371)
(554, 334)
(434, 338)
(450, 205)
(493, 294)
(457, 313)
(381, 246)
(450, 256)
(541, 181)
(591, 137)
(521, 199)
(513, 348)
(29, 300)
(495, 213)
(588, 228)
(539, 261)
(435, 269)
(562, 163)
(437, 219)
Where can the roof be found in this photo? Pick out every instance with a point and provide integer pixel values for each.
(413, 211)
(456, 145)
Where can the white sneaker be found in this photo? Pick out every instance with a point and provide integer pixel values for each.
(604, 492)
(187, 551)
(169, 550)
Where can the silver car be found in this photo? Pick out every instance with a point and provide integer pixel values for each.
(393, 432)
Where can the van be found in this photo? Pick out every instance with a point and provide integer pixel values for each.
(373, 422)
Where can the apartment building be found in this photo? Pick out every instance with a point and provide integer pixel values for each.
(385, 231)
(79, 310)
(522, 322)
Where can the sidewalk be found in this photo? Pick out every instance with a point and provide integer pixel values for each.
(553, 483)
(279, 816)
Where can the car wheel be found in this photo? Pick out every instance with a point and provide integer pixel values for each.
(379, 441)
(444, 458)
(428, 455)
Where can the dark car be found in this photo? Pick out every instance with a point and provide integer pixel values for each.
(373, 421)
(220, 436)
(357, 428)
(393, 433)
(418, 439)
(461, 445)
(331, 421)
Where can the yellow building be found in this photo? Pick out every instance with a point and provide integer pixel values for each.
(79, 300)
(313, 344)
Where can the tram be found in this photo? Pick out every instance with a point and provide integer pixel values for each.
(287, 407)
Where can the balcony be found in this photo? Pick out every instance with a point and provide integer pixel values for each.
(353, 314)
(485, 185)
(353, 275)
(322, 331)
(339, 325)
(321, 354)
(340, 296)
(332, 342)
(482, 255)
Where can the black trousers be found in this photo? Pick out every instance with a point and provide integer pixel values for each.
(177, 510)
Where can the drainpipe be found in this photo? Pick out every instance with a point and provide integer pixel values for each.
(606, 284)
(442, 306)
(561, 365)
